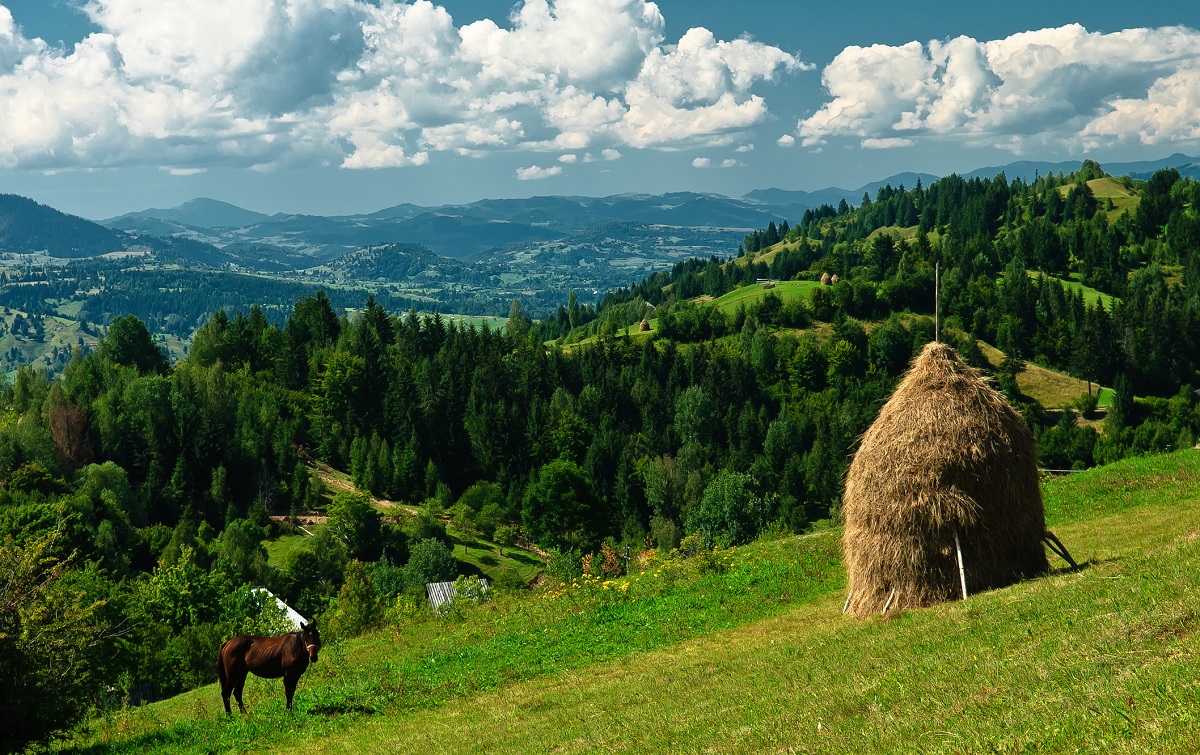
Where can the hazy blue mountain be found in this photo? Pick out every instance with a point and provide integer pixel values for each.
(1028, 170)
(794, 203)
(201, 213)
(472, 230)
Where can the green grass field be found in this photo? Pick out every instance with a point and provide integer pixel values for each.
(281, 548)
(1090, 295)
(479, 321)
(492, 560)
(752, 294)
(752, 654)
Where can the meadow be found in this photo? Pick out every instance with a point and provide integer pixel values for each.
(747, 651)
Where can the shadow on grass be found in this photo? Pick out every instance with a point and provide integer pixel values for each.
(1064, 568)
(523, 558)
(488, 560)
(173, 736)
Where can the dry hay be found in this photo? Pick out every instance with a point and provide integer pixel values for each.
(946, 455)
(824, 279)
(833, 281)
(644, 326)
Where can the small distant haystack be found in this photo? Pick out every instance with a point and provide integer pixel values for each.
(947, 456)
(824, 279)
(644, 326)
(833, 281)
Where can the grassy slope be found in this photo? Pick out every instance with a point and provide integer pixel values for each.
(752, 294)
(1090, 295)
(1051, 389)
(1098, 660)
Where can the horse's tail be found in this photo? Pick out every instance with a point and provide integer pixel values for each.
(221, 665)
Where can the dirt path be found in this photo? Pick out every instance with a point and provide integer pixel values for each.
(329, 476)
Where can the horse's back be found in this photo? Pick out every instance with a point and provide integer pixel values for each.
(267, 657)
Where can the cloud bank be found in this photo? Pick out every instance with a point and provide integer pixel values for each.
(1065, 87)
(360, 84)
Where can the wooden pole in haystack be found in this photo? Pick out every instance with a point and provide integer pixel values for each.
(962, 574)
(937, 311)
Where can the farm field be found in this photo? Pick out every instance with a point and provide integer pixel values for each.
(752, 654)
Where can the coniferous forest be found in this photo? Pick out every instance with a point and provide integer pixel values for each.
(136, 494)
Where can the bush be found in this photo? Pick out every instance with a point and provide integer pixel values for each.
(1087, 402)
(665, 533)
(389, 578)
(563, 567)
(47, 633)
(509, 581)
(730, 513)
(430, 561)
(357, 606)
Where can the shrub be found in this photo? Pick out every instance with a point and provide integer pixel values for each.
(730, 513)
(430, 561)
(356, 607)
(664, 532)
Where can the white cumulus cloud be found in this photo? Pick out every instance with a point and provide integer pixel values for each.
(890, 142)
(535, 173)
(368, 83)
(701, 162)
(1065, 85)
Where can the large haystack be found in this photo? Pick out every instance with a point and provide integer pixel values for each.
(946, 455)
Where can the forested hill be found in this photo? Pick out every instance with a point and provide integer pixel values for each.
(700, 400)
(29, 227)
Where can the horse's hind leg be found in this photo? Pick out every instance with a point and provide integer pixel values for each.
(237, 692)
(226, 682)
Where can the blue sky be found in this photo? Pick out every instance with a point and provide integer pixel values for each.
(341, 106)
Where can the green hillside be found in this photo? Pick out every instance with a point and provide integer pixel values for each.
(756, 292)
(747, 651)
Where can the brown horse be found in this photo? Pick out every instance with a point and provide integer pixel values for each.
(268, 657)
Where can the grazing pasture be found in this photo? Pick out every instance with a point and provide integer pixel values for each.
(747, 651)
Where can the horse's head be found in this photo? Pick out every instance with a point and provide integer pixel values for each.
(311, 639)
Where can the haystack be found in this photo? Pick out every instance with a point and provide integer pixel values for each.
(644, 326)
(946, 457)
(824, 279)
(833, 281)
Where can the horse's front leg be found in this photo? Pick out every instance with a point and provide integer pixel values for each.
(289, 686)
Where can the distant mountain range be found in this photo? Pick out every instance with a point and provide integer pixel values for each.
(175, 266)
(624, 234)
(480, 230)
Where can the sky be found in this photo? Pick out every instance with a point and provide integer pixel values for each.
(348, 106)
